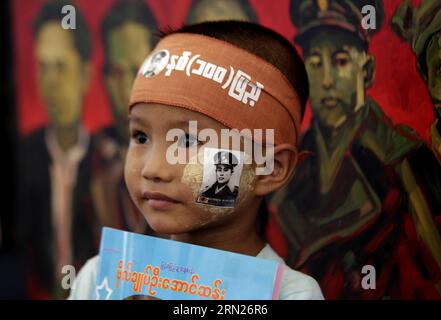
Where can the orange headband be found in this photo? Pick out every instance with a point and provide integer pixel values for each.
(222, 81)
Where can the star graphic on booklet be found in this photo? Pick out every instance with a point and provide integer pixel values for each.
(104, 289)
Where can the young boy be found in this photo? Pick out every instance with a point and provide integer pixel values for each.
(223, 75)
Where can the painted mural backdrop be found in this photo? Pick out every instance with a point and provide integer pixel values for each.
(368, 194)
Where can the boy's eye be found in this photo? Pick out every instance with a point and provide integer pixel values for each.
(140, 137)
(188, 141)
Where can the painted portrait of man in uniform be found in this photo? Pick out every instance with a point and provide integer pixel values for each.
(127, 32)
(344, 195)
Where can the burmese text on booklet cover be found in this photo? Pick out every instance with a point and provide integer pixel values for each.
(140, 267)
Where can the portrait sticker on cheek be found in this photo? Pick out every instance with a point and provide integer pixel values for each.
(221, 177)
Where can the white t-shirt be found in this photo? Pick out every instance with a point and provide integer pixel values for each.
(294, 286)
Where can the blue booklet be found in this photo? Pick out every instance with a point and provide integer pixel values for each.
(138, 267)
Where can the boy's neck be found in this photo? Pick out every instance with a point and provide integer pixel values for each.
(240, 237)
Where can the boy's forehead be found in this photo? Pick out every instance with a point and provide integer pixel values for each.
(155, 113)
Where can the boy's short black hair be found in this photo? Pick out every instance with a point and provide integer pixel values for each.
(260, 41)
(51, 12)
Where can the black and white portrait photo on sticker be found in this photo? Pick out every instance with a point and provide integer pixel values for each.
(154, 63)
(221, 177)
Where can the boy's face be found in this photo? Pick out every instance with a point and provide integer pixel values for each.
(149, 175)
(223, 173)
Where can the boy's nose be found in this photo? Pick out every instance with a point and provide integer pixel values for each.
(156, 168)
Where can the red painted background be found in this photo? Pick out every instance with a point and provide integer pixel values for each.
(398, 88)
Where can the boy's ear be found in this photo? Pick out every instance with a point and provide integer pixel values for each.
(285, 162)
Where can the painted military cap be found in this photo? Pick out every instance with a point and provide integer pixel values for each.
(417, 25)
(308, 15)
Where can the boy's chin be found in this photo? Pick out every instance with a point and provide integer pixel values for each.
(165, 226)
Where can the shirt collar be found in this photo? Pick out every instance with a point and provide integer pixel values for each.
(74, 154)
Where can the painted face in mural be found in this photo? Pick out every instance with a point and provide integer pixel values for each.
(433, 62)
(129, 44)
(339, 71)
(211, 10)
(62, 76)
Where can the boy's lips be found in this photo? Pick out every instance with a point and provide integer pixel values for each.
(158, 200)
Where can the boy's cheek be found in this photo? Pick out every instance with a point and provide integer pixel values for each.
(132, 170)
(247, 183)
(192, 178)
